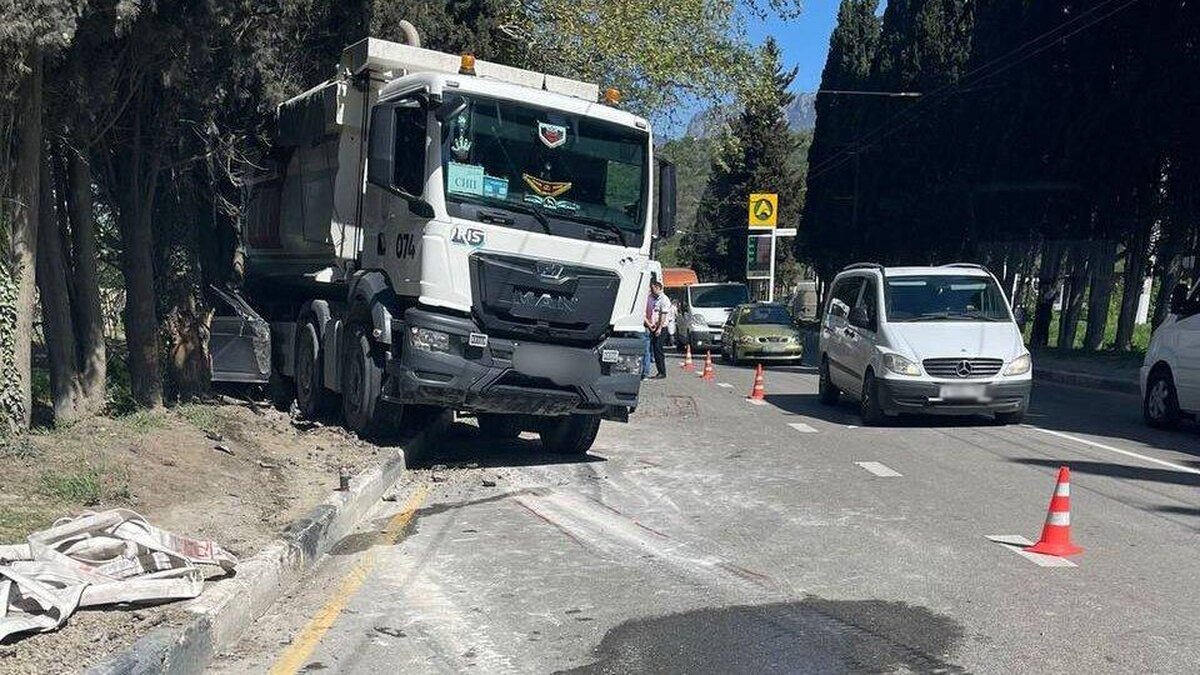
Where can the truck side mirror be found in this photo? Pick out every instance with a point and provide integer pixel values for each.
(384, 167)
(666, 199)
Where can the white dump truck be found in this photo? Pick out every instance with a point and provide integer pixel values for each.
(440, 231)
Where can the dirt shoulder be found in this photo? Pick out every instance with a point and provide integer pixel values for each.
(236, 474)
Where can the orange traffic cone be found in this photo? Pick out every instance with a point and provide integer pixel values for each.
(687, 360)
(759, 392)
(1056, 534)
(708, 375)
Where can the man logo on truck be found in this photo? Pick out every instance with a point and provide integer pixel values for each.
(544, 301)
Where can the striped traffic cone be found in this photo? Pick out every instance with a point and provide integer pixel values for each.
(708, 375)
(1056, 534)
(687, 360)
(758, 392)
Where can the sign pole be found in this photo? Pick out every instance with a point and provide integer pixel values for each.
(771, 276)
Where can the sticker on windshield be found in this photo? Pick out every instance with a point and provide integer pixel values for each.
(552, 135)
(464, 179)
(495, 188)
(552, 204)
(546, 188)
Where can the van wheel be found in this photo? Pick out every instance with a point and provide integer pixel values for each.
(499, 426)
(872, 414)
(570, 435)
(312, 398)
(362, 385)
(1160, 407)
(827, 394)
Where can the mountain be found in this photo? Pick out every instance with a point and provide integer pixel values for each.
(801, 116)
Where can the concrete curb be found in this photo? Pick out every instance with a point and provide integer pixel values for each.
(1087, 380)
(226, 608)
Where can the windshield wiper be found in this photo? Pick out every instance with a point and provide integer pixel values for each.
(951, 316)
(511, 206)
(597, 222)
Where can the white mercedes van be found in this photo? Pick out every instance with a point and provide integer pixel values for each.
(1171, 372)
(923, 340)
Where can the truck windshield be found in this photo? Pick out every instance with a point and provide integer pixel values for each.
(724, 295)
(945, 298)
(586, 176)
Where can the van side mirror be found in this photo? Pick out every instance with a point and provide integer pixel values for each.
(383, 163)
(666, 199)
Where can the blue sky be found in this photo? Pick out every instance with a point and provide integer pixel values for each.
(804, 41)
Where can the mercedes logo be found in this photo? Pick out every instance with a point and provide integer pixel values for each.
(963, 368)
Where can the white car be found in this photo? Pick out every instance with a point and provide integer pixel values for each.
(923, 340)
(705, 310)
(1170, 374)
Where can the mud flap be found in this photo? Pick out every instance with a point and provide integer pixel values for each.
(240, 341)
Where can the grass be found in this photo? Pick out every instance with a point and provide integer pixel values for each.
(18, 447)
(142, 421)
(16, 522)
(203, 417)
(89, 485)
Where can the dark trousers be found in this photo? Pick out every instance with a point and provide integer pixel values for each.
(660, 357)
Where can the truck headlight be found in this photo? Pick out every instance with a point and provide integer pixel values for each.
(1019, 365)
(628, 363)
(429, 340)
(900, 365)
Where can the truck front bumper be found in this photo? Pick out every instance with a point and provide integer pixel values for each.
(513, 376)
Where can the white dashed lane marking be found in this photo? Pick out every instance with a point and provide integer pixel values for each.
(725, 385)
(802, 428)
(881, 470)
(1016, 543)
(755, 401)
(1127, 453)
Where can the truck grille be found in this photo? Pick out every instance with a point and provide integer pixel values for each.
(962, 368)
(543, 300)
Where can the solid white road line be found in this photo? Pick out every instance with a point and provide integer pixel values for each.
(881, 470)
(1016, 543)
(1127, 453)
(755, 401)
(725, 384)
(802, 427)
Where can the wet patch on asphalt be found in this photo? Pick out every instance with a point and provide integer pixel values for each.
(810, 636)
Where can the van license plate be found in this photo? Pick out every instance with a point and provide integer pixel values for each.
(960, 392)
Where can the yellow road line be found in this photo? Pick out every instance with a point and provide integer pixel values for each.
(297, 653)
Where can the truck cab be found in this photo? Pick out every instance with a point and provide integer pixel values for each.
(481, 243)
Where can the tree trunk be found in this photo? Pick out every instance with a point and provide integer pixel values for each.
(1076, 274)
(137, 261)
(22, 245)
(1100, 270)
(88, 312)
(1047, 292)
(1134, 277)
(57, 326)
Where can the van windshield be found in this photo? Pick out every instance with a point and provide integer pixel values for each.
(945, 298)
(724, 295)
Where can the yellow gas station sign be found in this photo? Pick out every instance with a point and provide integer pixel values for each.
(764, 210)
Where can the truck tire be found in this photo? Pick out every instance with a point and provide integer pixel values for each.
(362, 385)
(312, 398)
(499, 426)
(570, 435)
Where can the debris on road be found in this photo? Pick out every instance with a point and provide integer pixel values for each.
(107, 558)
(489, 482)
(223, 448)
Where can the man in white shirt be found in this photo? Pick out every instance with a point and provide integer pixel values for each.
(658, 328)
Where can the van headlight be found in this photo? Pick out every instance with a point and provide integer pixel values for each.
(429, 340)
(900, 365)
(1019, 365)
(697, 322)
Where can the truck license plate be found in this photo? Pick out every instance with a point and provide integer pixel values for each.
(969, 392)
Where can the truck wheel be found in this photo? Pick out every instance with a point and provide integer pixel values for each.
(570, 435)
(499, 426)
(311, 395)
(362, 385)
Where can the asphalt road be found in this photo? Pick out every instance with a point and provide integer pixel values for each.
(710, 535)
